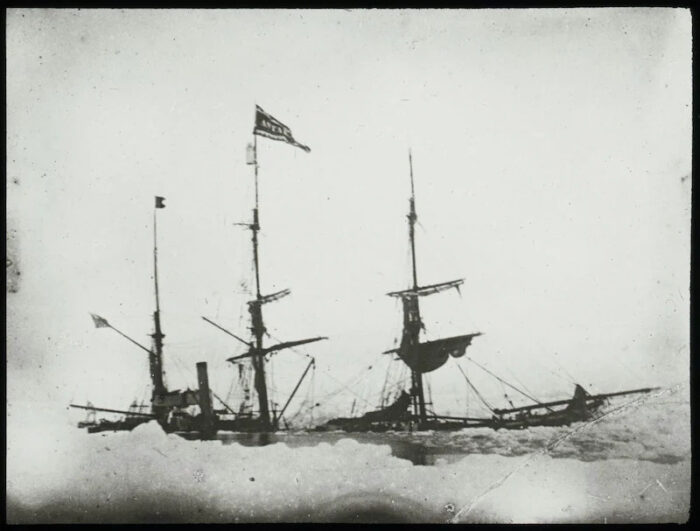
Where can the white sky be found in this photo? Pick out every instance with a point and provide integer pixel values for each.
(552, 154)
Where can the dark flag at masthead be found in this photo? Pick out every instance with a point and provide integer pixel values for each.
(270, 127)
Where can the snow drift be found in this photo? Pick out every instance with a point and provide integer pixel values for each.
(632, 468)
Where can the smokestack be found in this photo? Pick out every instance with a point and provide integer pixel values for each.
(205, 396)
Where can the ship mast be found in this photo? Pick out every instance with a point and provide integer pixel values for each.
(412, 321)
(156, 354)
(268, 126)
(255, 307)
(412, 218)
(429, 355)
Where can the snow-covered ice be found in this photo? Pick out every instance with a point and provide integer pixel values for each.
(631, 467)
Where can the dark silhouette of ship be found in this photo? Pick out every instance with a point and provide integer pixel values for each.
(191, 412)
(411, 410)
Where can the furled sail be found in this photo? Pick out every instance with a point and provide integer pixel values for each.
(279, 346)
(431, 355)
(271, 297)
(422, 291)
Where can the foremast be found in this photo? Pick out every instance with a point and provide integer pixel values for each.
(155, 357)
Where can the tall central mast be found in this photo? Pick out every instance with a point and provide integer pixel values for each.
(412, 217)
(257, 326)
(412, 310)
(156, 355)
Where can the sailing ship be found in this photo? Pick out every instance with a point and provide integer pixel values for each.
(190, 413)
(411, 410)
(172, 409)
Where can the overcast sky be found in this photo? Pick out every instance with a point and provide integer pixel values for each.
(552, 159)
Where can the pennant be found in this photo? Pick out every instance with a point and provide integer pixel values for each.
(160, 202)
(270, 127)
(100, 322)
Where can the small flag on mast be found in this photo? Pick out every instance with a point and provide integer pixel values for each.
(160, 202)
(100, 322)
(270, 127)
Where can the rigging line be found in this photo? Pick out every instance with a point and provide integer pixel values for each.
(505, 395)
(503, 381)
(304, 409)
(361, 387)
(340, 393)
(478, 394)
(230, 388)
(553, 358)
(348, 384)
(348, 388)
(386, 380)
(313, 394)
(308, 401)
(430, 394)
(235, 378)
(397, 385)
(297, 351)
(564, 371)
(403, 376)
(176, 362)
(466, 401)
(329, 374)
(292, 418)
(558, 373)
(270, 385)
(331, 395)
(540, 364)
(289, 417)
(303, 406)
(389, 384)
(566, 379)
(333, 377)
(518, 381)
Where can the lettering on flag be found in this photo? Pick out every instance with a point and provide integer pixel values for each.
(270, 127)
(100, 322)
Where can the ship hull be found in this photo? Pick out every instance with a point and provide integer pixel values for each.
(244, 425)
(408, 424)
(563, 417)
